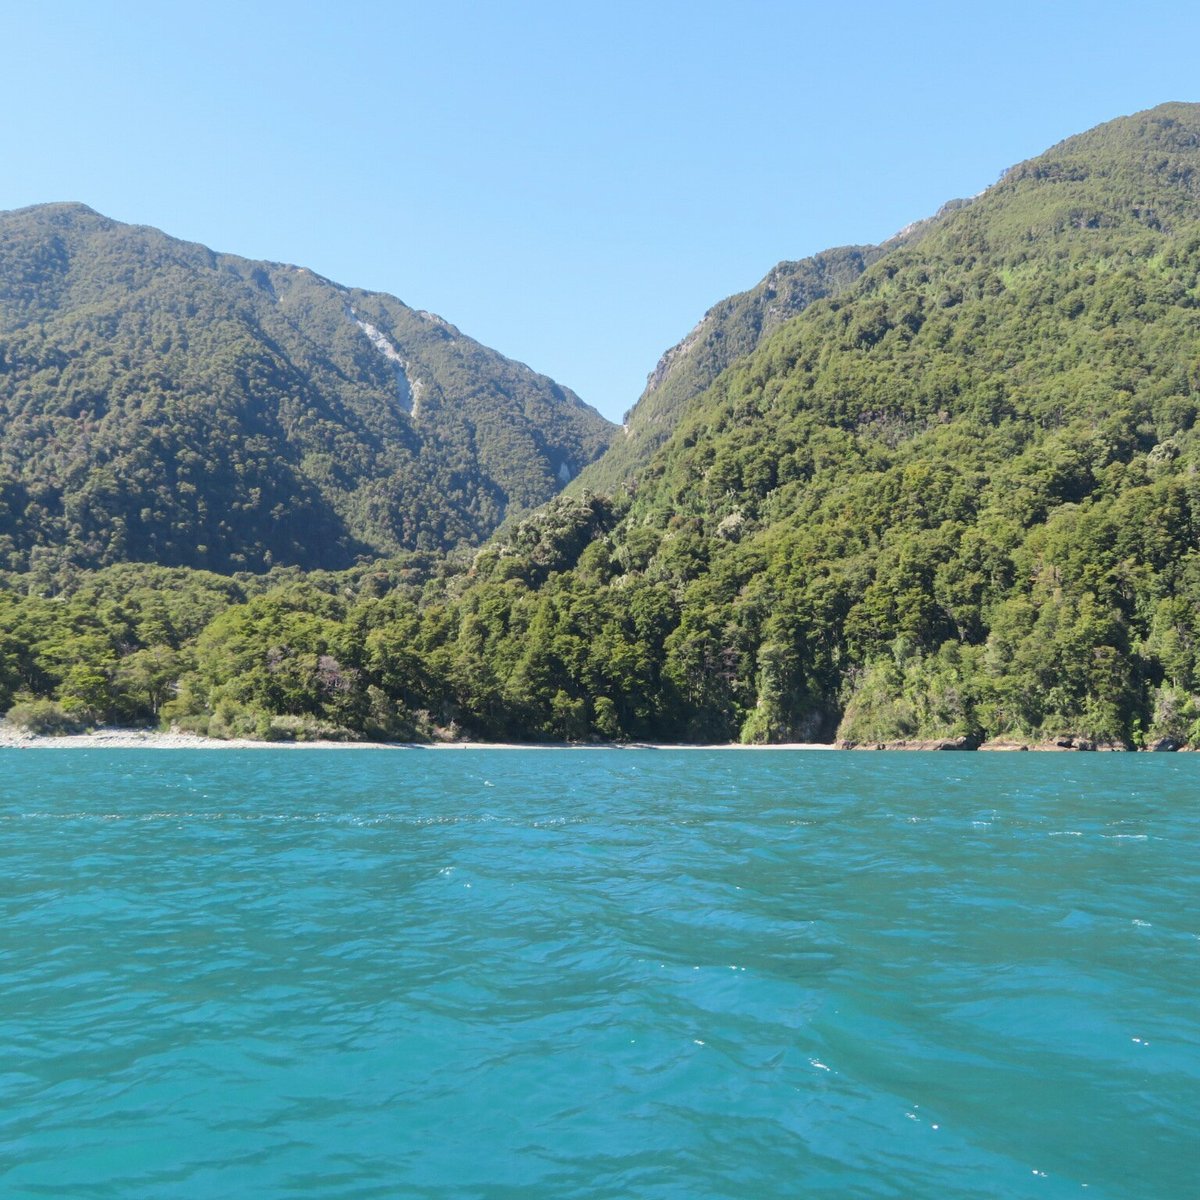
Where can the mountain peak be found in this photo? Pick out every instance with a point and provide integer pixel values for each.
(1156, 147)
(58, 212)
(160, 401)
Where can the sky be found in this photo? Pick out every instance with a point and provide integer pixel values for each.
(573, 184)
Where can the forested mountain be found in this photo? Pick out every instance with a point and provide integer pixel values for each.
(962, 496)
(730, 330)
(958, 499)
(165, 403)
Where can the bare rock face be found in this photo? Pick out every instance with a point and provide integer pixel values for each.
(1166, 744)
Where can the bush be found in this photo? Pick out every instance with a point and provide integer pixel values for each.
(1174, 715)
(305, 729)
(196, 723)
(46, 718)
(230, 721)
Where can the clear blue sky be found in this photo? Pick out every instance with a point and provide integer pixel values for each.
(571, 183)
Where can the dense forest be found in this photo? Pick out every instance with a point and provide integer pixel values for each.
(160, 402)
(956, 497)
(729, 331)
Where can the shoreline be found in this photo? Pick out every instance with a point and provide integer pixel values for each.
(152, 739)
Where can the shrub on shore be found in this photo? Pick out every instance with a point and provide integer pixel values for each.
(46, 718)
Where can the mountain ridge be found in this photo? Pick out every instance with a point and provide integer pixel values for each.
(958, 498)
(727, 331)
(376, 426)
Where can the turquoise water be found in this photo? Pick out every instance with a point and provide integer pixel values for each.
(598, 973)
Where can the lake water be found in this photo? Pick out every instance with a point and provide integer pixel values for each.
(598, 973)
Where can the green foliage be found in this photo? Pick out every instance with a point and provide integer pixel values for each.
(729, 331)
(958, 498)
(162, 403)
(951, 500)
(45, 718)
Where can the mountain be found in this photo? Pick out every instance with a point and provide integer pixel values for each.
(961, 498)
(957, 500)
(728, 331)
(162, 402)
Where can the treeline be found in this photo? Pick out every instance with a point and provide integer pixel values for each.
(585, 627)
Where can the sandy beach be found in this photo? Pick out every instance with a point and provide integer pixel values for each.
(152, 739)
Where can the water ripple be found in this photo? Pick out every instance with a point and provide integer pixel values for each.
(598, 974)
